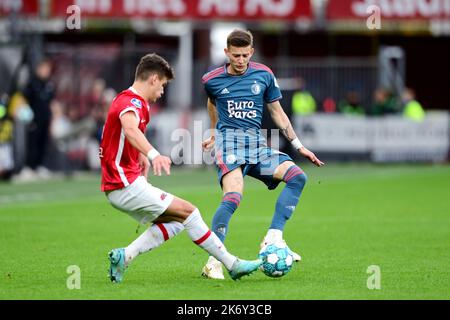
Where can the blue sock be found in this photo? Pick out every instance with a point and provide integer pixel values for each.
(229, 204)
(295, 180)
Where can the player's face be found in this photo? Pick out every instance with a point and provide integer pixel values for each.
(157, 85)
(239, 58)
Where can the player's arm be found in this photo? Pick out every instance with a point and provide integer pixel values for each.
(284, 124)
(138, 140)
(212, 112)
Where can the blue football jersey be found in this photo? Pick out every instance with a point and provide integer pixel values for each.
(240, 99)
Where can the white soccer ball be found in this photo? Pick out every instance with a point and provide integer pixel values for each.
(277, 259)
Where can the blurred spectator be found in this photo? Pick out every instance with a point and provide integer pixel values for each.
(329, 105)
(99, 112)
(71, 135)
(412, 109)
(6, 146)
(61, 126)
(384, 103)
(351, 104)
(303, 103)
(20, 109)
(98, 115)
(39, 93)
(22, 115)
(94, 100)
(3, 111)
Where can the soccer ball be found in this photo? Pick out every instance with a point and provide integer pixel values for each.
(277, 259)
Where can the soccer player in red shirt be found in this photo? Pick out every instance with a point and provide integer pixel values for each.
(125, 156)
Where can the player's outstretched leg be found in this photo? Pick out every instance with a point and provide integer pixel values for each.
(230, 202)
(152, 238)
(287, 201)
(199, 232)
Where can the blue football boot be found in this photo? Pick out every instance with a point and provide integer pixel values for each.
(117, 267)
(242, 268)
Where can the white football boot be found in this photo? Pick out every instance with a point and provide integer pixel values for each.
(266, 241)
(213, 269)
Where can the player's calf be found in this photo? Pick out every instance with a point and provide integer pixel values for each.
(230, 202)
(153, 237)
(288, 199)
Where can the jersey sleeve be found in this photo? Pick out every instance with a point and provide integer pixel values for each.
(209, 93)
(273, 92)
(127, 104)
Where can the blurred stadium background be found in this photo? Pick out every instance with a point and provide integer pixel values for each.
(324, 47)
(357, 96)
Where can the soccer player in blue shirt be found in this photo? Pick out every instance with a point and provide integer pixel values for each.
(237, 93)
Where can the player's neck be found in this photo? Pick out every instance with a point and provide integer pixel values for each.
(233, 72)
(140, 90)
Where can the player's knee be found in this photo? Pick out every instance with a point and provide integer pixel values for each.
(191, 214)
(297, 178)
(232, 199)
(302, 178)
(188, 208)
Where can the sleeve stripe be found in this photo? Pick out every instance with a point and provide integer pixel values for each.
(260, 66)
(212, 74)
(130, 109)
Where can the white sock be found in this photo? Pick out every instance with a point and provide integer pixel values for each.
(199, 232)
(273, 235)
(152, 238)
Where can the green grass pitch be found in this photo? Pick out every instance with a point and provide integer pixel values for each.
(350, 217)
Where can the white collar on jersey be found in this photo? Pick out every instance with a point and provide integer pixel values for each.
(133, 90)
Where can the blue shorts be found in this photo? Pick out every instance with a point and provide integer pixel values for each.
(262, 168)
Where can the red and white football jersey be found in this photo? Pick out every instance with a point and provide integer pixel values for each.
(119, 159)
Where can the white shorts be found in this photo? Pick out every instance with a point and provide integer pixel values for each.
(141, 200)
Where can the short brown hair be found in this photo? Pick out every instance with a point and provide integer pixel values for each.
(152, 63)
(240, 38)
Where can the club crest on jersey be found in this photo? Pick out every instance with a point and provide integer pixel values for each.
(256, 88)
(231, 158)
(136, 102)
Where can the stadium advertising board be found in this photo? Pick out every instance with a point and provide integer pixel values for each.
(397, 139)
(333, 133)
(390, 138)
(189, 9)
(23, 7)
(389, 9)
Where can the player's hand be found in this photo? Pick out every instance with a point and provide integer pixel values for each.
(144, 163)
(161, 163)
(311, 156)
(208, 143)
